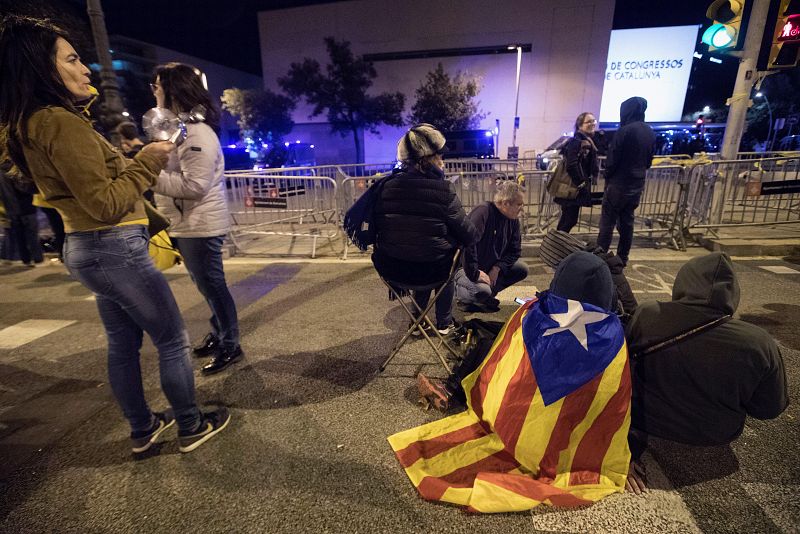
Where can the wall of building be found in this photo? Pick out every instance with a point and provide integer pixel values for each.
(561, 77)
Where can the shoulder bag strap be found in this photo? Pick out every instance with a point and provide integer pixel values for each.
(684, 335)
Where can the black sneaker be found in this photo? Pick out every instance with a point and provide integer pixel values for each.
(208, 346)
(424, 325)
(210, 425)
(144, 440)
(222, 360)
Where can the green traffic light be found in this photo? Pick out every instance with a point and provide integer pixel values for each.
(718, 35)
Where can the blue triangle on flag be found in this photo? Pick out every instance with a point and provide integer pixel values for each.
(559, 361)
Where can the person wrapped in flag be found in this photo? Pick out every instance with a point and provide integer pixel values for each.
(548, 410)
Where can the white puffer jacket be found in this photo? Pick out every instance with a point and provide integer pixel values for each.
(191, 190)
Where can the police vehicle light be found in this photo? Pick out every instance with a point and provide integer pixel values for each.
(231, 146)
(488, 134)
(297, 140)
(286, 144)
(312, 146)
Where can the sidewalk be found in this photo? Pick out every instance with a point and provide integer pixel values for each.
(772, 240)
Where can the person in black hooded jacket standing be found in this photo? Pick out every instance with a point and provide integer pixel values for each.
(420, 221)
(629, 157)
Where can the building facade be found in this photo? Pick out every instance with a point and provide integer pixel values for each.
(564, 42)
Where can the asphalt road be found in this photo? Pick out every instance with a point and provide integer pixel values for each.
(306, 450)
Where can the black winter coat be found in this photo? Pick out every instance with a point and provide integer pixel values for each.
(580, 155)
(420, 223)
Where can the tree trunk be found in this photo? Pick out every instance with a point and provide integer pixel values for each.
(359, 150)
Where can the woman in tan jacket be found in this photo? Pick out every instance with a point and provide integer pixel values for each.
(99, 195)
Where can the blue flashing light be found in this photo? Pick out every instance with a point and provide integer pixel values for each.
(488, 134)
(264, 145)
(231, 146)
(312, 146)
(297, 141)
(286, 144)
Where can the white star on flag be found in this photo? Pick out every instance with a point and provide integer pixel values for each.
(575, 320)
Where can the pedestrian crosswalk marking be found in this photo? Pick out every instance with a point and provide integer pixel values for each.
(21, 333)
(779, 269)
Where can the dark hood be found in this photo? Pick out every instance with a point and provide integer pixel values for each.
(584, 277)
(632, 110)
(708, 281)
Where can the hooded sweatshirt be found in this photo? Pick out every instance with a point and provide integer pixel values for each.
(699, 390)
(631, 151)
(584, 277)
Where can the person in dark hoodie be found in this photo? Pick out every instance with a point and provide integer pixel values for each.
(696, 371)
(629, 157)
(420, 222)
(581, 276)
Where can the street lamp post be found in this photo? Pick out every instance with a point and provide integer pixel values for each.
(108, 78)
(516, 99)
(768, 144)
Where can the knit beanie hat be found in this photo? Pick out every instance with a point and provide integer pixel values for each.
(420, 141)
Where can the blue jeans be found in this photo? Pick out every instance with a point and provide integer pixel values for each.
(26, 228)
(203, 259)
(469, 292)
(132, 297)
(444, 304)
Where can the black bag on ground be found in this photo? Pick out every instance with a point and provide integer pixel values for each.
(358, 221)
(481, 335)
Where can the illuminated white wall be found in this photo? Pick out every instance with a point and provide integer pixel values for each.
(560, 78)
(653, 63)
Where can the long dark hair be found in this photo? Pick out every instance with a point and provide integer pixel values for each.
(30, 81)
(183, 89)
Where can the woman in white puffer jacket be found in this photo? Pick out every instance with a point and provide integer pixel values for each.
(191, 192)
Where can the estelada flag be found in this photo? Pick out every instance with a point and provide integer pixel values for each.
(547, 417)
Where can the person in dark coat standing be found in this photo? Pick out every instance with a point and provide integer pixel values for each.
(420, 221)
(697, 372)
(493, 263)
(629, 157)
(583, 168)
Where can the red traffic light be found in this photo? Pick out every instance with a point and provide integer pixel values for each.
(791, 30)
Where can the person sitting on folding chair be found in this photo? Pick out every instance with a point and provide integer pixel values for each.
(420, 222)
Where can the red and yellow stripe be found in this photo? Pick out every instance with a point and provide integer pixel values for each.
(510, 452)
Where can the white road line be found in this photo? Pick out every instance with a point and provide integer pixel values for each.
(779, 269)
(30, 330)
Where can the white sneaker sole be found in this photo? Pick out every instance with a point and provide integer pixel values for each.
(153, 438)
(193, 446)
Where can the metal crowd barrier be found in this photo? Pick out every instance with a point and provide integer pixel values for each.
(311, 201)
(748, 193)
(268, 203)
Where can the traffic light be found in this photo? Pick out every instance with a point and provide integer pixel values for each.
(781, 44)
(726, 32)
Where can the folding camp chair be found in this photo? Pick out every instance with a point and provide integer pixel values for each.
(398, 290)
